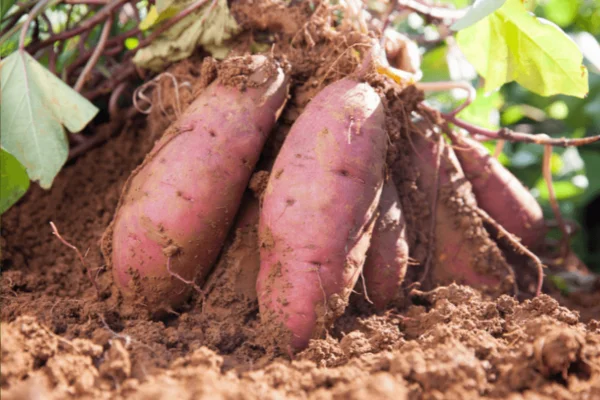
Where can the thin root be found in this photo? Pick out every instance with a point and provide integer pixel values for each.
(333, 64)
(325, 308)
(182, 279)
(518, 246)
(364, 285)
(126, 338)
(81, 258)
(139, 94)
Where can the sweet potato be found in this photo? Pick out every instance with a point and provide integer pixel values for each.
(500, 193)
(231, 288)
(387, 258)
(318, 211)
(463, 250)
(177, 207)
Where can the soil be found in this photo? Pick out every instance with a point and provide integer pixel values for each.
(62, 338)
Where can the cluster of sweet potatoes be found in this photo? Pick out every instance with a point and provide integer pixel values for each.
(329, 213)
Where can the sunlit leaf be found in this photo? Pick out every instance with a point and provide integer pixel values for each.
(561, 12)
(556, 163)
(34, 107)
(208, 27)
(479, 10)
(131, 43)
(558, 110)
(484, 110)
(154, 16)
(511, 44)
(512, 115)
(458, 3)
(14, 181)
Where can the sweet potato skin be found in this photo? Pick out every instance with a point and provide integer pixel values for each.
(180, 203)
(500, 193)
(318, 211)
(463, 251)
(387, 257)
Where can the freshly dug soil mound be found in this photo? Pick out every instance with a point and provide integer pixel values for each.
(62, 338)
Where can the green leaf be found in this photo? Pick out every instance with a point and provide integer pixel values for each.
(14, 181)
(478, 11)
(154, 16)
(511, 44)
(434, 65)
(208, 27)
(560, 283)
(9, 44)
(561, 12)
(35, 105)
(131, 43)
(556, 163)
(564, 190)
(484, 110)
(558, 110)
(5, 5)
(512, 115)
(459, 3)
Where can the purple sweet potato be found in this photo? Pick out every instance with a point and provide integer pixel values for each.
(500, 193)
(387, 258)
(318, 211)
(178, 206)
(463, 251)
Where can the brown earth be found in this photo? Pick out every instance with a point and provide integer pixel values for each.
(63, 339)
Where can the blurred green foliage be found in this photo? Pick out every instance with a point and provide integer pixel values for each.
(576, 171)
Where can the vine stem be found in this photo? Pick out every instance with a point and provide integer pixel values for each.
(129, 70)
(450, 85)
(547, 173)
(39, 7)
(100, 16)
(182, 279)
(510, 135)
(498, 149)
(172, 21)
(95, 56)
(431, 11)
